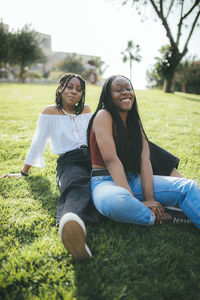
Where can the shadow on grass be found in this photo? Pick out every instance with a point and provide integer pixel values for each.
(191, 98)
(41, 191)
(132, 262)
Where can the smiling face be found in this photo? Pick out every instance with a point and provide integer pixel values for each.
(122, 94)
(72, 93)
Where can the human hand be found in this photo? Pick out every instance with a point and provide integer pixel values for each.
(9, 175)
(156, 208)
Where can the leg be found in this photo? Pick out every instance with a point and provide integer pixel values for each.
(179, 191)
(73, 178)
(118, 204)
(72, 233)
(73, 201)
(175, 173)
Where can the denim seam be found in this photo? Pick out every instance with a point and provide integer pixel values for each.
(191, 206)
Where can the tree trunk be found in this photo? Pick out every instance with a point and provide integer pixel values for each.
(21, 74)
(168, 86)
(130, 69)
(183, 88)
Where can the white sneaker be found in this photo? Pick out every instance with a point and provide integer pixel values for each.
(72, 233)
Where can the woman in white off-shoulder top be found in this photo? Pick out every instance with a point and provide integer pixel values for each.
(64, 126)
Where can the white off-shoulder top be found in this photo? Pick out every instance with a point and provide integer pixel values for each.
(63, 132)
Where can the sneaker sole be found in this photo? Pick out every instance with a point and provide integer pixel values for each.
(73, 234)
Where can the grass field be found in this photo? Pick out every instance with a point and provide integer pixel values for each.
(130, 262)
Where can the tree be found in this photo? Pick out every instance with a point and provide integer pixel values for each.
(4, 46)
(186, 78)
(25, 50)
(73, 63)
(188, 13)
(99, 64)
(131, 53)
(184, 72)
(95, 68)
(159, 72)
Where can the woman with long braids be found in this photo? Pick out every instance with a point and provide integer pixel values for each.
(123, 185)
(65, 125)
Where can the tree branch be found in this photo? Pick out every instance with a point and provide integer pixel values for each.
(191, 9)
(161, 7)
(170, 7)
(180, 25)
(165, 24)
(190, 34)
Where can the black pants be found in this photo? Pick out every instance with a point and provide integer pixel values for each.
(162, 161)
(73, 175)
(73, 179)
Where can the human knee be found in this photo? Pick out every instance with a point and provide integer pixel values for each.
(107, 199)
(190, 184)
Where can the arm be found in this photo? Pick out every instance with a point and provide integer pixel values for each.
(147, 181)
(102, 127)
(38, 145)
(146, 171)
(21, 174)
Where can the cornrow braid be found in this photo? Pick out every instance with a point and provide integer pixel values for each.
(65, 78)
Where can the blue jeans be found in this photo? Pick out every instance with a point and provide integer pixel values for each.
(118, 204)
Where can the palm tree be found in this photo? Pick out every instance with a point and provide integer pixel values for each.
(131, 53)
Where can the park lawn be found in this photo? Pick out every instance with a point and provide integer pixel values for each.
(130, 262)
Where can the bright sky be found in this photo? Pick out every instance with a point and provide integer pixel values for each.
(94, 27)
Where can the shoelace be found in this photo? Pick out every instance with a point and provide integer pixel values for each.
(178, 220)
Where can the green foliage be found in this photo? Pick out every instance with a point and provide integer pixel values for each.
(4, 46)
(129, 262)
(164, 66)
(187, 75)
(186, 15)
(90, 70)
(169, 61)
(25, 50)
(128, 54)
(20, 48)
(94, 70)
(131, 53)
(73, 64)
(99, 64)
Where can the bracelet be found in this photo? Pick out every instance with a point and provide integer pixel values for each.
(23, 173)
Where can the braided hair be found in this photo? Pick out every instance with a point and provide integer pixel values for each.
(130, 157)
(65, 78)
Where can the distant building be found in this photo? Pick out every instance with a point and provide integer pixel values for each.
(55, 57)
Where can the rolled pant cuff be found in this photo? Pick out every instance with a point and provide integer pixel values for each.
(152, 220)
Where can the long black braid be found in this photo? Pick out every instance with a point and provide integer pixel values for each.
(65, 78)
(129, 158)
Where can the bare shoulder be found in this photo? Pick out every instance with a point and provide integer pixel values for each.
(86, 109)
(103, 114)
(51, 110)
(103, 117)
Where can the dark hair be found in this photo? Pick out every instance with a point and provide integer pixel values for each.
(65, 78)
(130, 159)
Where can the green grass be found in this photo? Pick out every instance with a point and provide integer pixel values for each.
(130, 262)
